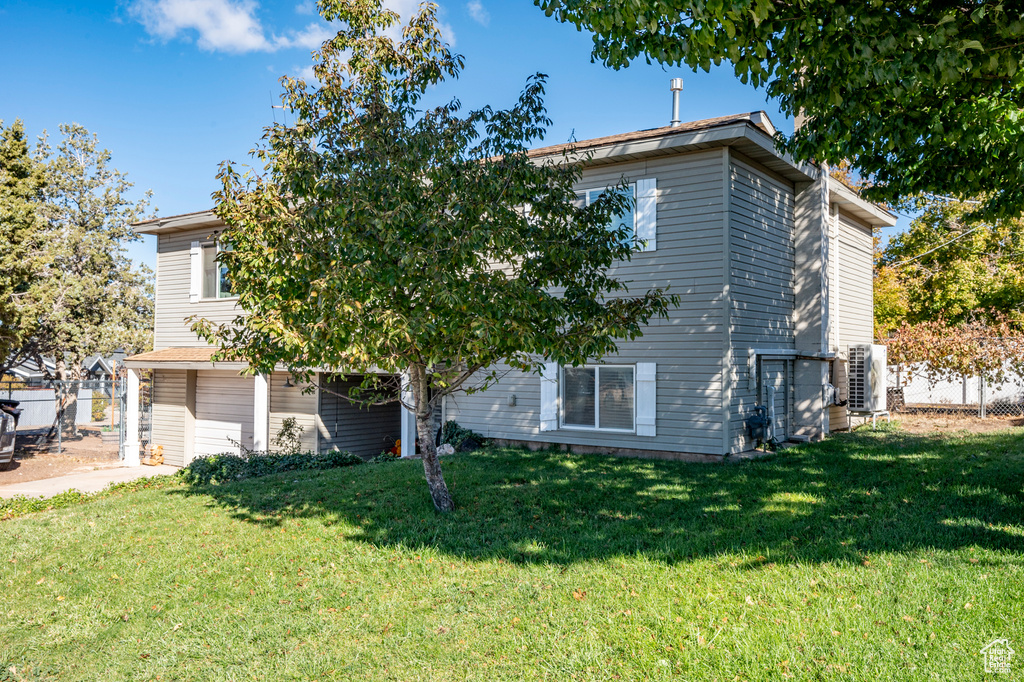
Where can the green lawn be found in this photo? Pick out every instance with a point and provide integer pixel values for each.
(872, 556)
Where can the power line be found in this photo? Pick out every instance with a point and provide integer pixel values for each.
(922, 255)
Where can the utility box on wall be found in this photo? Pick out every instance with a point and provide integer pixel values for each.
(867, 378)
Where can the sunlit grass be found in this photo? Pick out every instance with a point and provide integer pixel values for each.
(866, 557)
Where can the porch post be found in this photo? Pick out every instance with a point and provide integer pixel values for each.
(408, 421)
(131, 421)
(261, 415)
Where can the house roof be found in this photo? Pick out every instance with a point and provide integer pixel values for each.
(751, 134)
(180, 358)
(757, 118)
(174, 355)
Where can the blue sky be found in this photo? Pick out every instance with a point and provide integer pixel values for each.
(173, 87)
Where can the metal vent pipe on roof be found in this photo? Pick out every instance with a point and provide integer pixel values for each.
(677, 89)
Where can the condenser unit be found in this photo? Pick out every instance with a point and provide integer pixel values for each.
(867, 378)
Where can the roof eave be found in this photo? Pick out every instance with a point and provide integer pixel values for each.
(743, 135)
(845, 198)
(180, 223)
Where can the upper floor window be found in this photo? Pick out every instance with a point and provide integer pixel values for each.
(216, 283)
(627, 219)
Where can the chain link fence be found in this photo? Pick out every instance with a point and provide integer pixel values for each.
(913, 390)
(52, 411)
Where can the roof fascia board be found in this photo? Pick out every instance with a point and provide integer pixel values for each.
(180, 223)
(742, 133)
(848, 200)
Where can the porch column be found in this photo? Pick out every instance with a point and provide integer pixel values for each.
(131, 421)
(408, 421)
(261, 415)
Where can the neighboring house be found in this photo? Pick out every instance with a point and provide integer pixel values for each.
(98, 367)
(772, 260)
(31, 374)
(95, 367)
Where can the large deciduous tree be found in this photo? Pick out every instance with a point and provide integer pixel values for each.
(921, 97)
(382, 238)
(21, 189)
(90, 297)
(951, 268)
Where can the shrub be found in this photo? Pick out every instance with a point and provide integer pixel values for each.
(289, 438)
(230, 467)
(386, 456)
(99, 408)
(460, 438)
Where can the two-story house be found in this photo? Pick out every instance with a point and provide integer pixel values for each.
(772, 259)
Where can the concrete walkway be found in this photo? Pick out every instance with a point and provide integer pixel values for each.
(87, 481)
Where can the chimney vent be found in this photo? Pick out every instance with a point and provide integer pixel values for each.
(677, 89)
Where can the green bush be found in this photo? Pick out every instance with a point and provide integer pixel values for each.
(386, 456)
(460, 438)
(99, 408)
(230, 467)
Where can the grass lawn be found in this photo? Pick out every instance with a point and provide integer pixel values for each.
(872, 556)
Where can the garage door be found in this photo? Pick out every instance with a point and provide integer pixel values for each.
(224, 409)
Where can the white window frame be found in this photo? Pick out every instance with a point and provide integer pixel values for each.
(597, 400)
(632, 188)
(202, 259)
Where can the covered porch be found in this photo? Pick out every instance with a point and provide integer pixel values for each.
(201, 407)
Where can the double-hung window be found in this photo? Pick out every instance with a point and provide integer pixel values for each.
(598, 397)
(216, 283)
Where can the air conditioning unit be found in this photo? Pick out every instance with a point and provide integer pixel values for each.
(867, 378)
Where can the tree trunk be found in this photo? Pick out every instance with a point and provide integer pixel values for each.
(72, 375)
(65, 395)
(443, 501)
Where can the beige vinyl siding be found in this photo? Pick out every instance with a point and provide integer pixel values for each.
(762, 258)
(855, 304)
(687, 347)
(170, 413)
(853, 300)
(293, 402)
(173, 283)
(363, 431)
(224, 412)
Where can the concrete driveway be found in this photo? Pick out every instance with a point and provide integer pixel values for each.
(86, 481)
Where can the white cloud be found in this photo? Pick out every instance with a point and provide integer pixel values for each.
(478, 12)
(307, 7)
(306, 73)
(311, 37)
(232, 25)
(221, 24)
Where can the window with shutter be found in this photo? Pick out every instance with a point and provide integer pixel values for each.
(598, 397)
(215, 280)
(642, 221)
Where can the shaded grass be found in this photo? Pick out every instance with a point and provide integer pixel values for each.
(869, 556)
